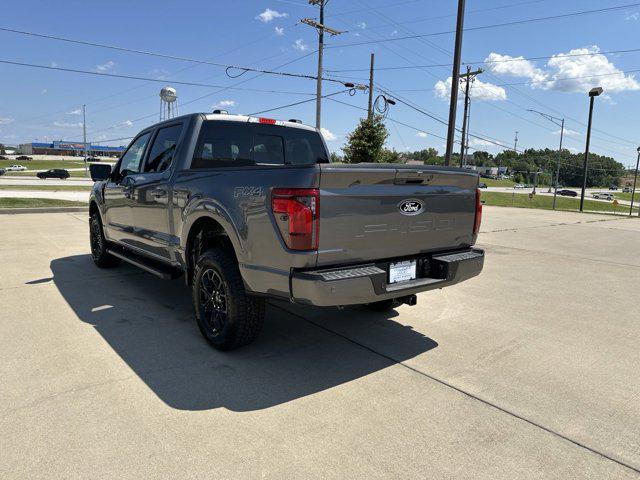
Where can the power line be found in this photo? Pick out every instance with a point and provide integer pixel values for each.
(486, 27)
(489, 62)
(146, 79)
(227, 67)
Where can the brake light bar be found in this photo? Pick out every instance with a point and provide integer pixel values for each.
(297, 214)
(268, 121)
(478, 219)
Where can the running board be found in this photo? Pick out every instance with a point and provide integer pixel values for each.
(164, 274)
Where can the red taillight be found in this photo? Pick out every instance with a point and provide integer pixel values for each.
(268, 121)
(297, 214)
(478, 221)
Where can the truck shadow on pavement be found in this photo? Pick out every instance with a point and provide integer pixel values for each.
(149, 323)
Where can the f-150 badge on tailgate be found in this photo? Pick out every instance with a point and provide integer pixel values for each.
(410, 207)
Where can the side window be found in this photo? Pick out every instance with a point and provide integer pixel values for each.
(304, 147)
(163, 149)
(132, 158)
(222, 145)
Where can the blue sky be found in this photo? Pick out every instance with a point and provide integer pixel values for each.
(44, 104)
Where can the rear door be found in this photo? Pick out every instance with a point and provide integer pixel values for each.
(150, 193)
(379, 211)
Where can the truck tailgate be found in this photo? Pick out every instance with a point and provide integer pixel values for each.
(379, 211)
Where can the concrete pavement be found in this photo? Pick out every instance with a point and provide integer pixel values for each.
(527, 371)
(53, 194)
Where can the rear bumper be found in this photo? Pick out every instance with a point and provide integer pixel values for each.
(367, 283)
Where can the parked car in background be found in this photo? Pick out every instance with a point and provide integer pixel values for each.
(24, 158)
(92, 159)
(15, 168)
(2, 171)
(613, 187)
(626, 190)
(2, 157)
(567, 193)
(518, 185)
(60, 173)
(603, 196)
(482, 185)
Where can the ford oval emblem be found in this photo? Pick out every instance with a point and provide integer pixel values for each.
(410, 207)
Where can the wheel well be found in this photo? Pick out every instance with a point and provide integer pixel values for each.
(93, 208)
(204, 234)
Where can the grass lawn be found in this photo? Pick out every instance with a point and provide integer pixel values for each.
(55, 188)
(37, 203)
(544, 202)
(43, 164)
(627, 196)
(497, 183)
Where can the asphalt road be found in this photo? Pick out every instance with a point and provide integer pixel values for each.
(528, 371)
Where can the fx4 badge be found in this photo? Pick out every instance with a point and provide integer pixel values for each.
(410, 207)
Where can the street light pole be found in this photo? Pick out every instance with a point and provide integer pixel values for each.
(560, 123)
(455, 80)
(593, 93)
(635, 179)
(84, 135)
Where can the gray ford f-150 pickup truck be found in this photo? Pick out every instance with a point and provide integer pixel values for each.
(248, 208)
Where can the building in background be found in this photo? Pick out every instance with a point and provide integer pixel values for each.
(73, 149)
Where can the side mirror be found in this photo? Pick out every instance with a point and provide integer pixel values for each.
(99, 171)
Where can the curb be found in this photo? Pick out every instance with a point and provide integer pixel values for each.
(16, 211)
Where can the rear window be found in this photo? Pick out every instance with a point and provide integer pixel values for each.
(238, 144)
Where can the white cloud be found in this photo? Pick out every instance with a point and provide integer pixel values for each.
(67, 124)
(6, 120)
(572, 68)
(268, 15)
(421, 135)
(633, 16)
(361, 25)
(300, 45)
(514, 66)
(127, 123)
(280, 31)
(394, 33)
(105, 67)
(478, 142)
(578, 70)
(479, 90)
(225, 103)
(53, 64)
(568, 133)
(43, 91)
(77, 111)
(328, 135)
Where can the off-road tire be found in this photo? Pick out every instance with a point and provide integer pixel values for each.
(383, 305)
(244, 313)
(99, 244)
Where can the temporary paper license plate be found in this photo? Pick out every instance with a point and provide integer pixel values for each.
(402, 271)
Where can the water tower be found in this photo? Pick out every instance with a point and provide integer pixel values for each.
(168, 103)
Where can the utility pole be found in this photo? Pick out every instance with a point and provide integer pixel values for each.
(469, 76)
(84, 134)
(559, 122)
(370, 109)
(321, 28)
(455, 79)
(515, 143)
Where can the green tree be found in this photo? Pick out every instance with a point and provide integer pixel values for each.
(389, 156)
(2, 150)
(366, 142)
(335, 158)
